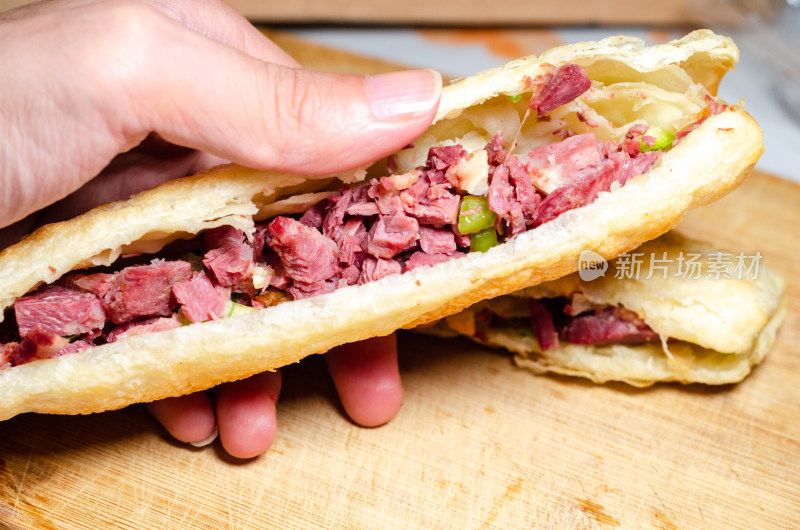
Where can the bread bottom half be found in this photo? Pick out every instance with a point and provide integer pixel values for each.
(720, 323)
(709, 163)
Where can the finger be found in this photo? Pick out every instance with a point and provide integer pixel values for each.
(269, 116)
(154, 161)
(367, 378)
(150, 164)
(156, 75)
(218, 21)
(188, 418)
(246, 414)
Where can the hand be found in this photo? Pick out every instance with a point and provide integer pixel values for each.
(365, 375)
(177, 87)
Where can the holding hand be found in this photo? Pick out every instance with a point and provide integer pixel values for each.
(104, 99)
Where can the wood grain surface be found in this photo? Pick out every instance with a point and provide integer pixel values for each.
(478, 443)
(497, 13)
(479, 13)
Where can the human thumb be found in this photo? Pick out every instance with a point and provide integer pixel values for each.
(331, 122)
(270, 116)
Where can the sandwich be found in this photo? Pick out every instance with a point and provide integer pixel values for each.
(672, 310)
(234, 271)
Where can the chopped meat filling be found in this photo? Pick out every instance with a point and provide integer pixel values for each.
(366, 232)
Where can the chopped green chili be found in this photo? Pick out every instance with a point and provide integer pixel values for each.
(475, 214)
(663, 139)
(483, 240)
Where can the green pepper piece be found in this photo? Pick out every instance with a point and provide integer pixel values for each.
(664, 138)
(182, 318)
(513, 99)
(233, 309)
(483, 240)
(480, 217)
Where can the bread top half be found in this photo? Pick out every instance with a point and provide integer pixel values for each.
(669, 85)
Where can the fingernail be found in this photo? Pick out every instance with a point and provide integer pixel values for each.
(207, 441)
(404, 94)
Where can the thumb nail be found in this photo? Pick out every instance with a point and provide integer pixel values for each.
(207, 441)
(404, 94)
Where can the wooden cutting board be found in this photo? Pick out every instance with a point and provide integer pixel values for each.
(478, 442)
(498, 13)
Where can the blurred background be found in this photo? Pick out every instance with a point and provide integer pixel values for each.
(459, 38)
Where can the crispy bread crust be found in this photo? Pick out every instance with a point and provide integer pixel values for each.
(644, 365)
(724, 325)
(711, 161)
(703, 55)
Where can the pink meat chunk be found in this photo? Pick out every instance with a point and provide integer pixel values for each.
(496, 151)
(352, 240)
(391, 234)
(608, 326)
(375, 268)
(5, 354)
(387, 200)
(143, 326)
(572, 155)
(299, 290)
(501, 192)
(439, 211)
(423, 259)
(416, 192)
(525, 193)
(231, 265)
(349, 275)
(200, 300)
(441, 158)
(37, 344)
(307, 256)
(314, 216)
(542, 325)
(261, 236)
(144, 290)
(568, 82)
(616, 167)
(337, 207)
(98, 284)
(436, 240)
(60, 311)
(73, 347)
(278, 280)
(223, 236)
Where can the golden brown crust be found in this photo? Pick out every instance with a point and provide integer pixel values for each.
(223, 195)
(711, 161)
(724, 324)
(646, 364)
(700, 56)
(684, 290)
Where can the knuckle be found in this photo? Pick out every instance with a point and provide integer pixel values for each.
(130, 22)
(126, 52)
(112, 53)
(117, 33)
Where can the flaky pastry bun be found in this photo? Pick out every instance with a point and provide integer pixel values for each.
(669, 85)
